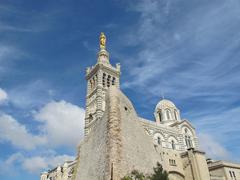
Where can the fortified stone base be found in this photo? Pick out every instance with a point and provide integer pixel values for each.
(117, 144)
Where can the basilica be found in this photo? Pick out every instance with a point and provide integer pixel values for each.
(118, 141)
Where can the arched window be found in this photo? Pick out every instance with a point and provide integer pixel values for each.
(188, 138)
(160, 116)
(168, 114)
(90, 117)
(188, 141)
(175, 114)
(173, 144)
(113, 81)
(91, 84)
(93, 81)
(159, 140)
(104, 80)
(108, 80)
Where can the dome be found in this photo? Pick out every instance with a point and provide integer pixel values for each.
(165, 104)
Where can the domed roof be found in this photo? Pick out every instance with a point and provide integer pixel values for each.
(165, 104)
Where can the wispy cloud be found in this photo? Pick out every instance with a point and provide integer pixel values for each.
(212, 147)
(3, 95)
(189, 52)
(24, 21)
(24, 95)
(223, 125)
(181, 55)
(9, 55)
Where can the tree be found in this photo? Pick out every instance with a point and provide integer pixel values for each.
(159, 174)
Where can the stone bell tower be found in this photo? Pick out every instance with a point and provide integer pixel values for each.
(99, 78)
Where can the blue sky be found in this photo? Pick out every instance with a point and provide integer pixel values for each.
(186, 50)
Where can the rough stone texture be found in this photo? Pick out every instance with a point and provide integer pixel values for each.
(117, 143)
(195, 166)
(92, 156)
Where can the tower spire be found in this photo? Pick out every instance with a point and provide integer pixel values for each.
(103, 55)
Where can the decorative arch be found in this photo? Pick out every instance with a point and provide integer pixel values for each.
(158, 138)
(188, 136)
(188, 128)
(173, 142)
(175, 175)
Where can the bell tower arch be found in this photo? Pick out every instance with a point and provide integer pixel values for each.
(99, 78)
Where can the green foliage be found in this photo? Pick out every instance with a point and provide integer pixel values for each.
(135, 175)
(159, 174)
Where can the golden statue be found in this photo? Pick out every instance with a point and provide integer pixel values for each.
(102, 41)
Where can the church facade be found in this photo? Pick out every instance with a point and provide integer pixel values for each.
(118, 141)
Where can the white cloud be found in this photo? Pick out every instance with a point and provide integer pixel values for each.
(11, 130)
(63, 123)
(34, 164)
(213, 148)
(37, 164)
(3, 95)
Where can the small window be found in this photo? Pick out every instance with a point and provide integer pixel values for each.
(160, 116)
(90, 117)
(230, 172)
(159, 140)
(173, 145)
(91, 85)
(113, 81)
(188, 141)
(104, 80)
(172, 162)
(108, 80)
